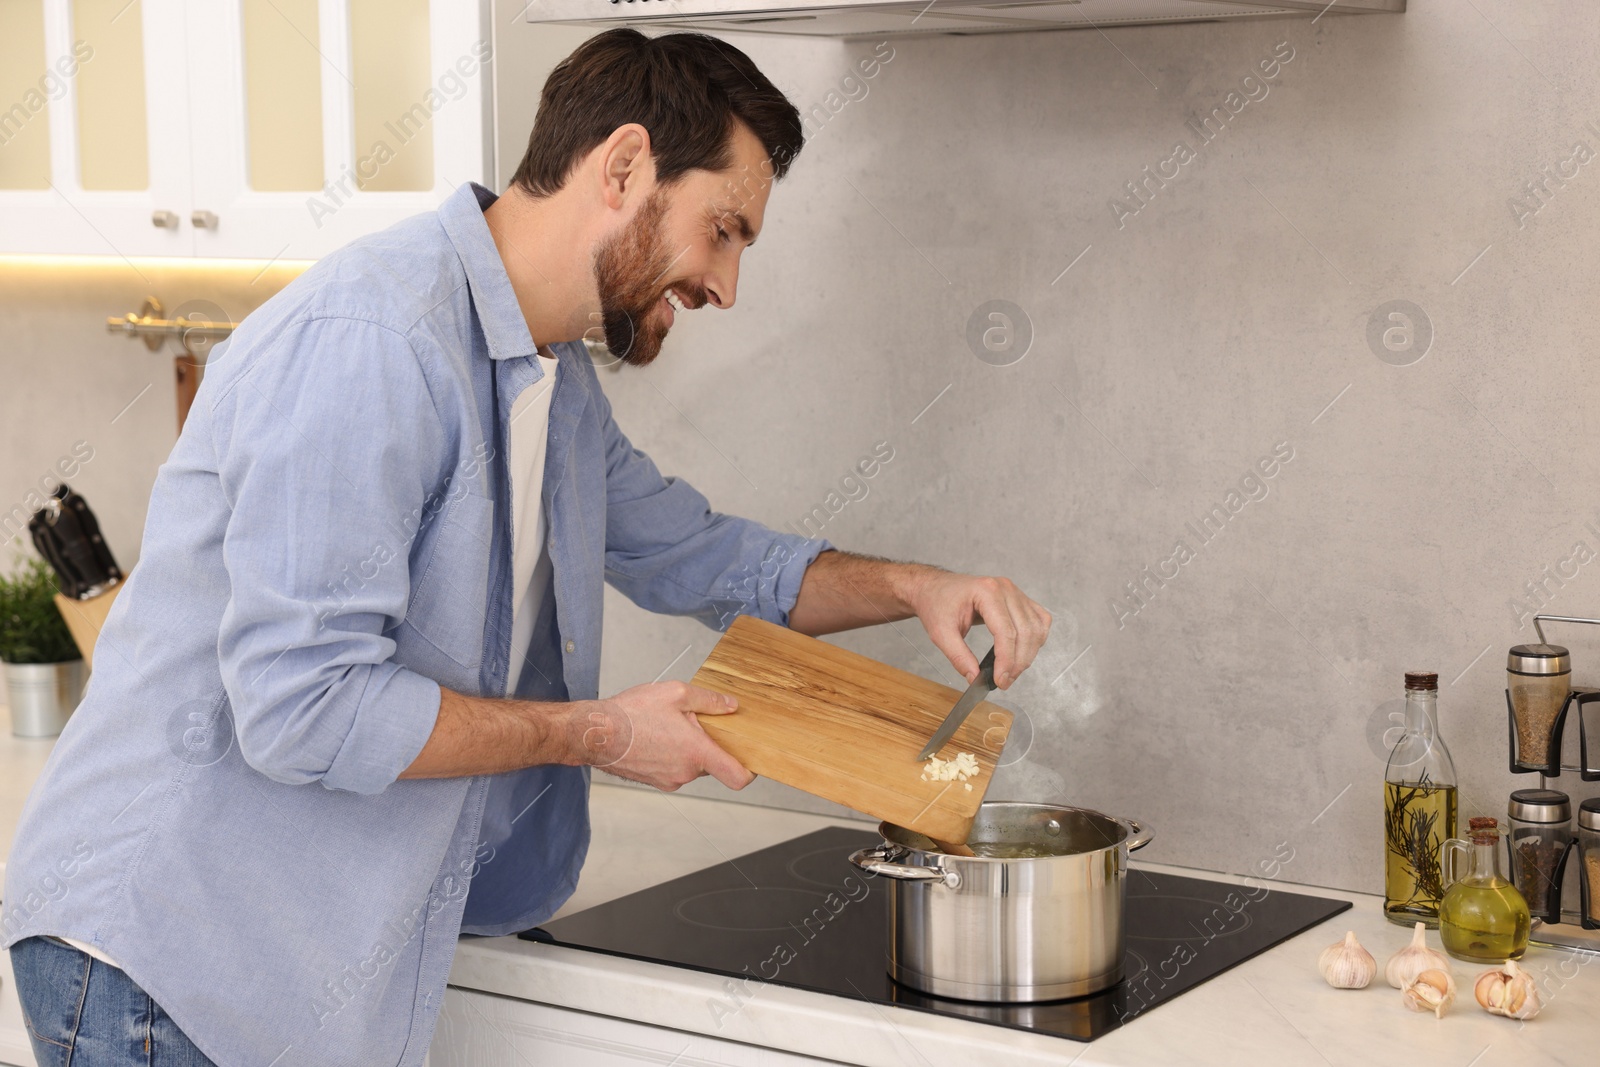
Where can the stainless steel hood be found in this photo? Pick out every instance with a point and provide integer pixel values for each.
(878, 18)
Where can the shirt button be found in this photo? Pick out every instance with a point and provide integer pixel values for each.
(572, 646)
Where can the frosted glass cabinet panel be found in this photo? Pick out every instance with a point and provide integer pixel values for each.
(99, 164)
(283, 94)
(390, 69)
(113, 138)
(26, 85)
(398, 123)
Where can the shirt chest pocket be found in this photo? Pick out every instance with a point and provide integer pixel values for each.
(448, 605)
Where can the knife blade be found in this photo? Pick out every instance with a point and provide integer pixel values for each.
(981, 687)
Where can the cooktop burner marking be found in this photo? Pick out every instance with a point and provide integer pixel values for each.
(1133, 965)
(825, 867)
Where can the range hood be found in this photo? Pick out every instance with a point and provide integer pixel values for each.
(879, 18)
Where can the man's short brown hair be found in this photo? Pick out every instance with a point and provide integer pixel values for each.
(687, 89)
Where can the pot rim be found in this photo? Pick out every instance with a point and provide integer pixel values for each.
(1134, 835)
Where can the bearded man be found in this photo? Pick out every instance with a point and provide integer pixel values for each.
(347, 706)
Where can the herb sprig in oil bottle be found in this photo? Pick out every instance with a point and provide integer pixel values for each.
(1419, 809)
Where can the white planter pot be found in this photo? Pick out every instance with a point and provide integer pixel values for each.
(42, 695)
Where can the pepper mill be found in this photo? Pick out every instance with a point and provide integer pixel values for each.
(1538, 840)
(1538, 685)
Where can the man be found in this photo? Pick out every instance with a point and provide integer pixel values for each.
(347, 705)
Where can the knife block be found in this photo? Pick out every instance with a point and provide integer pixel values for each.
(86, 617)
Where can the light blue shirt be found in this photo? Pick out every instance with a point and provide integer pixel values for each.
(327, 545)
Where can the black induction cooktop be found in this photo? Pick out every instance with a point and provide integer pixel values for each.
(799, 914)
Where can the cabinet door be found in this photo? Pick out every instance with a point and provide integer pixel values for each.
(94, 135)
(317, 121)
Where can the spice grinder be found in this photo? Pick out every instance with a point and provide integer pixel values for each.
(1538, 683)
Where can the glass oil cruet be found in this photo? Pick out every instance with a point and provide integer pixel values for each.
(1482, 917)
(1419, 809)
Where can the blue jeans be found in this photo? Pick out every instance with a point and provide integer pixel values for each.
(82, 1013)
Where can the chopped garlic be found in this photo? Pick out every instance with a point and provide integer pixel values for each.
(967, 787)
(964, 766)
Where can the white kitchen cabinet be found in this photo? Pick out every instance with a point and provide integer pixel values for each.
(94, 131)
(392, 96)
(260, 129)
(483, 1030)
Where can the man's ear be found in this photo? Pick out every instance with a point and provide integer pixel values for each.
(627, 168)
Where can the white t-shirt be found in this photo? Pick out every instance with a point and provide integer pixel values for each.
(92, 951)
(530, 556)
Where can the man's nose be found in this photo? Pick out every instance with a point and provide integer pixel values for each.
(722, 286)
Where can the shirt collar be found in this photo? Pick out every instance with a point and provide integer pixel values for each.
(495, 302)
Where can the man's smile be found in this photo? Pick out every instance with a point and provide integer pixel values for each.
(673, 300)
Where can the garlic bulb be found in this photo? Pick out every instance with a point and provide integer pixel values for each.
(1404, 966)
(1346, 965)
(1508, 991)
(1431, 991)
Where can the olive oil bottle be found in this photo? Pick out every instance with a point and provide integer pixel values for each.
(1482, 918)
(1419, 809)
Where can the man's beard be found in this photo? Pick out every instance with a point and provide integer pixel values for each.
(629, 268)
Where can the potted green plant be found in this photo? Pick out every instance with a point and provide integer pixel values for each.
(44, 670)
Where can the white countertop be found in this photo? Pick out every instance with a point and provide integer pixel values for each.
(1273, 1009)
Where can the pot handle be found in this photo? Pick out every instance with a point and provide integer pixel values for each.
(876, 860)
(1140, 837)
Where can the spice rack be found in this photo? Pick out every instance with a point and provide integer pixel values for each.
(1576, 929)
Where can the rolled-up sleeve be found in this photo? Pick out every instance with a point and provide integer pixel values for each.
(668, 552)
(327, 448)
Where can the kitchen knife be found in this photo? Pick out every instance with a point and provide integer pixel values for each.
(981, 687)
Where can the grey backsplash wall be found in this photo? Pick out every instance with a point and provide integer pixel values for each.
(1243, 705)
(67, 380)
(1240, 707)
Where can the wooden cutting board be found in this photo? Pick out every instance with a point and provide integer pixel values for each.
(846, 728)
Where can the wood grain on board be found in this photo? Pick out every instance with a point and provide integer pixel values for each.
(847, 728)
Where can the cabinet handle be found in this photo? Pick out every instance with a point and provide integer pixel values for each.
(166, 220)
(204, 220)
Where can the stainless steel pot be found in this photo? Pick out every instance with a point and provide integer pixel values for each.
(1031, 928)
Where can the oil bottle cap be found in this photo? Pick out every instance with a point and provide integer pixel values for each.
(1422, 680)
(1538, 659)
